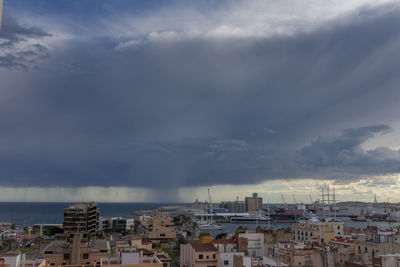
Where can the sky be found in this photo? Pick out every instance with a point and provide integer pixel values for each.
(157, 101)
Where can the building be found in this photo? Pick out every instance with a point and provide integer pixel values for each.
(79, 251)
(234, 206)
(81, 218)
(161, 228)
(199, 255)
(321, 231)
(13, 259)
(138, 242)
(225, 245)
(254, 203)
(255, 243)
(227, 258)
(116, 224)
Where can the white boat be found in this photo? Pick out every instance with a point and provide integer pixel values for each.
(249, 219)
(210, 226)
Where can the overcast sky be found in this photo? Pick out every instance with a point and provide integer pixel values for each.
(147, 100)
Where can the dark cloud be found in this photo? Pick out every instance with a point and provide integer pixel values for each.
(16, 52)
(165, 114)
(343, 155)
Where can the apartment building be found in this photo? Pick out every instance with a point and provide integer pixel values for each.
(81, 217)
(255, 243)
(160, 228)
(321, 231)
(78, 251)
(115, 224)
(226, 245)
(199, 255)
(254, 203)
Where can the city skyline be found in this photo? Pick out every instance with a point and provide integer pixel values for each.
(119, 102)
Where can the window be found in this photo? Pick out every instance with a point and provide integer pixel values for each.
(201, 256)
(208, 257)
(85, 256)
(213, 256)
(226, 262)
(162, 235)
(66, 256)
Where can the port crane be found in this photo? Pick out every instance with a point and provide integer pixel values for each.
(294, 199)
(209, 200)
(284, 202)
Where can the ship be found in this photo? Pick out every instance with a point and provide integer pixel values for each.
(249, 219)
(209, 226)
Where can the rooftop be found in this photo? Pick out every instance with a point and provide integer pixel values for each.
(224, 241)
(203, 247)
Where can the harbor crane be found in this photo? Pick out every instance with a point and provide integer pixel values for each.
(209, 200)
(283, 201)
(294, 199)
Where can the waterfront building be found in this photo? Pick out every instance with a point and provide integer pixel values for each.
(234, 206)
(115, 224)
(199, 255)
(254, 203)
(160, 228)
(81, 217)
(321, 231)
(79, 251)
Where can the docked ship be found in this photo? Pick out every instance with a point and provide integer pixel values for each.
(209, 226)
(249, 219)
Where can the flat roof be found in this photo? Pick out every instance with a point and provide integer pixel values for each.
(203, 247)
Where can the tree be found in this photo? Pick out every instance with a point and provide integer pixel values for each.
(204, 234)
(52, 230)
(221, 235)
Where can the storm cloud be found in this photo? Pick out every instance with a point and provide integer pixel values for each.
(167, 109)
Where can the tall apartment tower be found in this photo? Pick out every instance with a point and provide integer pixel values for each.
(81, 217)
(253, 204)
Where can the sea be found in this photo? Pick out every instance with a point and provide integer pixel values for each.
(29, 213)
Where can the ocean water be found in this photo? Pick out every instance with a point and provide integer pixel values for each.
(24, 213)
